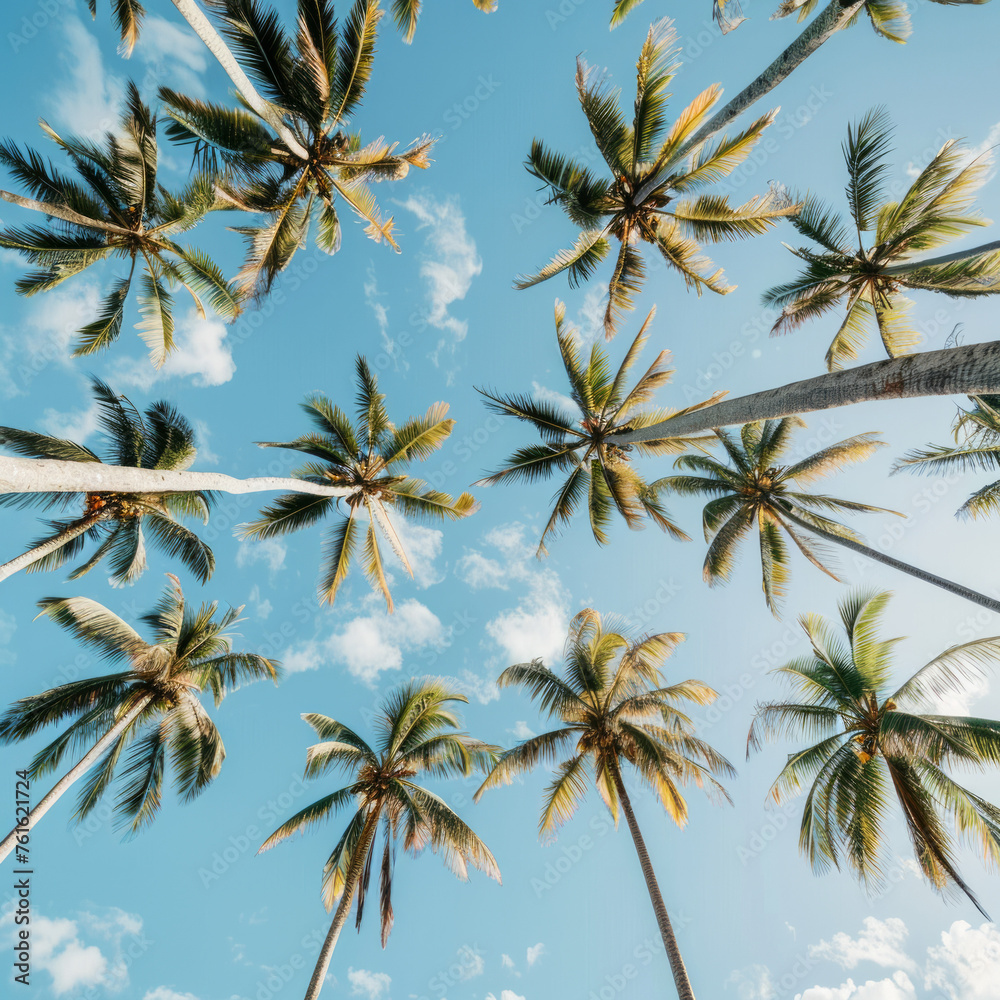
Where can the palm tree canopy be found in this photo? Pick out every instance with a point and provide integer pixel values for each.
(754, 489)
(606, 207)
(613, 704)
(190, 653)
(874, 741)
(869, 280)
(598, 471)
(976, 448)
(120, 211)
(370, 457)
(417, 734)
(315, 82)
(122, 522)
(889, 18)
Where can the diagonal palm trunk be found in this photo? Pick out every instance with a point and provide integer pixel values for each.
(681, 981)
(204, 29)
(344, 906)
(957, 370)
(827, 23)
(68, 533)
(938, 581)
(77, 772)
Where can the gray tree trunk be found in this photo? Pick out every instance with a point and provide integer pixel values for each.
(915, 571)
(971, 370)
(40, 551)
(77, 772)
(681, 981)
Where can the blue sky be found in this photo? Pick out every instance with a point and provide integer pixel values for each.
(185, 910)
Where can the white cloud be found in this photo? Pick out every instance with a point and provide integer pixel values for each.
(372, 643)
(261, 607)
(422, 546)
(166, 993)
(88, 99)
(557, 399)
(8, 626)
(172, 52)
(449, 263)
(64, 948)
(75, 425)
(898, 987)
(373, 985)
(506, 961)
(752, 983)
(534, 953)
(200, 353)
(966, 965)
(270, 551)
(481, 689)
(590, 316)
(504, 995)
(522, 731)
(537, 626)
(880, 942)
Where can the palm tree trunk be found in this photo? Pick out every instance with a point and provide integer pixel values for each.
(828, 22)
(948, 258)
(343, 907)
(66, 214)
(681, 981)
(77, 772)
(914, 571)
(970, 370)
(72, 531)
(47, 475)
(203, 28)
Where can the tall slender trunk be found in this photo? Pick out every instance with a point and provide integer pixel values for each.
(343, 907)
(948, 258)
(77, 772)
(204, 29)
(971, 370)
(49, 475)
(72, 531)
(914, 571)
(66, 214)
(681, 981)
(827, 23)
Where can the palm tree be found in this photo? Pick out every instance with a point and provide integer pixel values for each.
(314, 83)
(406, 12)
(597, 471)
(871, 741)
(122, 521)
(613, 706)
(936, 208)
(116, 209)
(754, 488)
(609, 207)
(417, 734)
(151, 709)
(977, 447)
(368, 461)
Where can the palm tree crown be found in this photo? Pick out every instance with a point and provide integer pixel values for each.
(753, 487)
(315, 83)
(613, 705)
(599, 471)
(873, 743)
(608, 207)
(370, 458)
(936, 208)
(118, 211)
(124, 522)
(976, 448)
(190, 653)
(418, 734)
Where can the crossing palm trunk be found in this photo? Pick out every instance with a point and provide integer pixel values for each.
(204, 29)
(824, 25)
(971, 370)
(68, 533)
(681, 981)
(938, 581)
(344, 906)
(66, 782)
